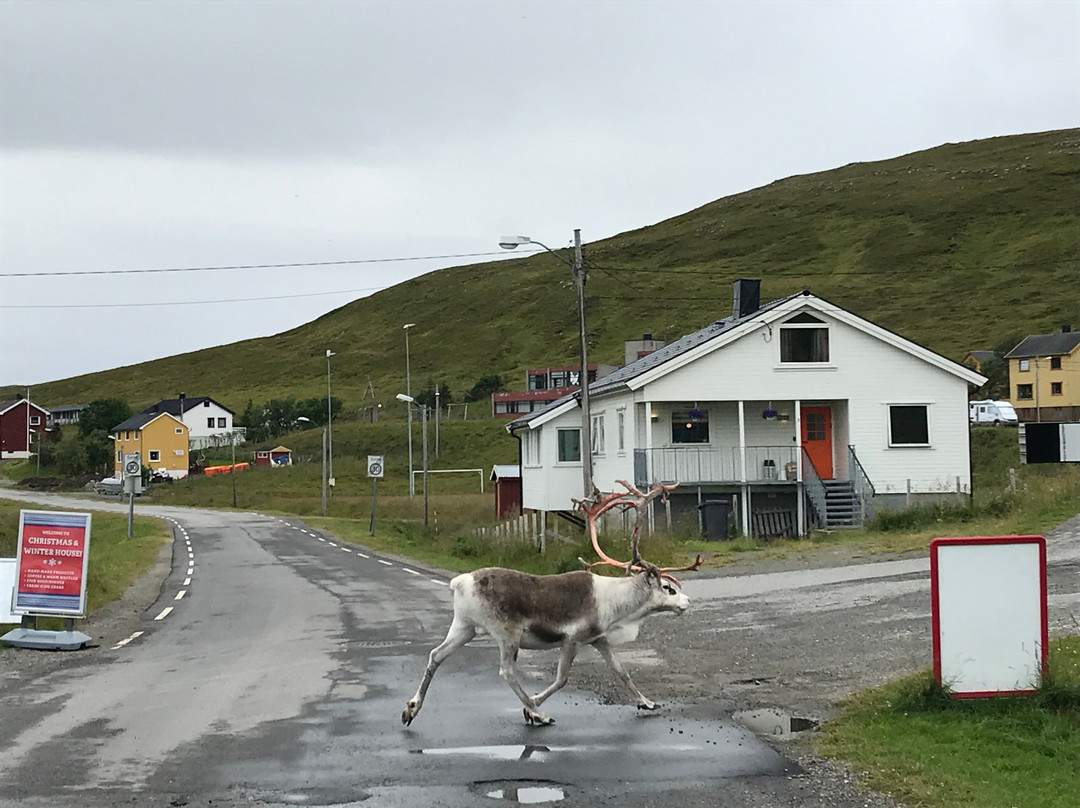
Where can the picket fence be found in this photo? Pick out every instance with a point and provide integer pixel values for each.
(533, 529)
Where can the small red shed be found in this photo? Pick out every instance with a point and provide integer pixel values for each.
(507, 479)
(273, 456)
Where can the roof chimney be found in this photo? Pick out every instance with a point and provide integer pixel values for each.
(1065, 329)
(646, 336)
(747, 297)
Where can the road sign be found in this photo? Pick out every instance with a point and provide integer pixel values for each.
(375, 466)
(132, 465)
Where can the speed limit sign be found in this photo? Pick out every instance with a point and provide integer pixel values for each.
(132, 465)
(375, 466)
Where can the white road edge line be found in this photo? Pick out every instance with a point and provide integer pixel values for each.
(187, 582)
(164, 613)
(362, 555)
(180, 594)
(387, 563)
(126, 640)
(440, 583)
(411, 572)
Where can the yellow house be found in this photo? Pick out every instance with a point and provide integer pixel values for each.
(160, 440)
(1044, 377)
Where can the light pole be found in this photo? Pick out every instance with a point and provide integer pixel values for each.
(410, 402)
(308, 420)
(329, 427)
(408, 410)
(509, 243)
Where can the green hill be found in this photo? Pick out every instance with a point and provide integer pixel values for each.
(958, 247)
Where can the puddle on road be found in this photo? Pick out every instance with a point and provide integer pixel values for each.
(774, 722)
(521, 791)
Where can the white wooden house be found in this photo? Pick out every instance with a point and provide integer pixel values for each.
(795, 410)
(210, 424)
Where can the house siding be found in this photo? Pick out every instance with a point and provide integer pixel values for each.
(158, 435)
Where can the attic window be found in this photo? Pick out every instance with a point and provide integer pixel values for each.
(803, 339)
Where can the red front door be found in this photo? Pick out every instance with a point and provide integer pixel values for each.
(817, 439)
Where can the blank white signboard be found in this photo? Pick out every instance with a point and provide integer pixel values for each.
(7, 591)
(989, 614)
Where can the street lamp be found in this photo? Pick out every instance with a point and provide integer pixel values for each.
(510, 243)
(408, 392)
(329, 427)
(308, 420)
(410, 402)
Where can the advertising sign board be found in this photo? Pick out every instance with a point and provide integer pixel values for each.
(51, 563)
(988, 610)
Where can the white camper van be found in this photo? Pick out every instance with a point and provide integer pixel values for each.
(992, 412)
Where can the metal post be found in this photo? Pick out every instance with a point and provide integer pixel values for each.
(131, 507)
(424, 415)
(408, 409)
(232, 440)
(329, 424)
(324, 471)
(374, 492)
(586, 413)
(437, 416)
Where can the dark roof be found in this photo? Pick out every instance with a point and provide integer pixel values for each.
(7, 405)
(982, 356)
(172, 405)
(658, 357)
(1046, 345)
(137, 421)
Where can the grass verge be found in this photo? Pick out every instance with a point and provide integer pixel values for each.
(913, 741)
(116, 561)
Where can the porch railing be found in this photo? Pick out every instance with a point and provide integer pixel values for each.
(814, 488)
(864, 487)
(704, 464)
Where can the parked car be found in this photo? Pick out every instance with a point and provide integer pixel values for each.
(992, 412)
(109, 485)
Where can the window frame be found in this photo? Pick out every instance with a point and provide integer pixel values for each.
(620, 418)
(1021, 389)
(597, 434)
(560, 448)
(150, 456)
(800, 324)
(688, 416)
(909, 444)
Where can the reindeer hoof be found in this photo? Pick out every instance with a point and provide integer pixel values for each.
(648, 705)
(535, 718)
(408, 714)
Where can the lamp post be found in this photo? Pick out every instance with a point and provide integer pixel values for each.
(329, 427)
(408, 410)
(511, 242)
(410, 402)
(308, 420)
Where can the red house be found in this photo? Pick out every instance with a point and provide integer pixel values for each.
(276, 456)
(507, 479)
(22, 425)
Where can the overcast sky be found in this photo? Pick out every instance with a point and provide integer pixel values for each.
(162, 135)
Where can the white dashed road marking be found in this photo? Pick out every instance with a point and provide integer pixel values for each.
(164, 613)
(180, 594)
(387, 563)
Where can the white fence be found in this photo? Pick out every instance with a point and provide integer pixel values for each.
(533, 528)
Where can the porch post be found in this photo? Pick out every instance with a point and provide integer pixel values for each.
(800, 487)
(742, 471)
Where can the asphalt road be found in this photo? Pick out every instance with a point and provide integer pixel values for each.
(278, 676)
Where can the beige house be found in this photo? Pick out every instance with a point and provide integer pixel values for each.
(1044, 377)
(160, 440)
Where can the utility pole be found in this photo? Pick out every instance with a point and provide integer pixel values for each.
(586, 413)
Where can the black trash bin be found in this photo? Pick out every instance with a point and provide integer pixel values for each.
(715, 519)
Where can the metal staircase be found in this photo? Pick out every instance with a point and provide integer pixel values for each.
(842, 505)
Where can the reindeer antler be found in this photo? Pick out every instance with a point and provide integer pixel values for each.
(598, 504)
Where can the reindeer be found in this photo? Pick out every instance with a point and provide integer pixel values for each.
(566, 611)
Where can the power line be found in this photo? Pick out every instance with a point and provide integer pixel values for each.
(247, 266)
(191, 302)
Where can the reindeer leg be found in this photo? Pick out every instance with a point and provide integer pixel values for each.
(604, 647)
(508, 671)
(569, 652)
(460, 633)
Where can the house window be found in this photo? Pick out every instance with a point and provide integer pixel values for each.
(569, 441)
(621, 421)
(155, 455)
(1024, 364)
(210, 422)
(206, 403)
(127, 434)
(1024, 392)
(909, 425)
(1055, 388)
(221, 423)
(35, 420)
(137, 433)
(179, 430)
(537, 381)
(690, 426)
(531, 448)
(1055, 363)
(804, 338)
(119, 455)
(597, 434)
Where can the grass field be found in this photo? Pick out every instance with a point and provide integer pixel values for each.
(925, 748)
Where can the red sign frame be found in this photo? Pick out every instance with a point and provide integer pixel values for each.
(51, 563)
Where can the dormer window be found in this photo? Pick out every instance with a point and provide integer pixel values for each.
(804, 339)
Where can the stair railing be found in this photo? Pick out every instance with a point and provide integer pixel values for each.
(864, 486)
(815, 489)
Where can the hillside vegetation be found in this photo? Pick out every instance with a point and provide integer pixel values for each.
(958, 247)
